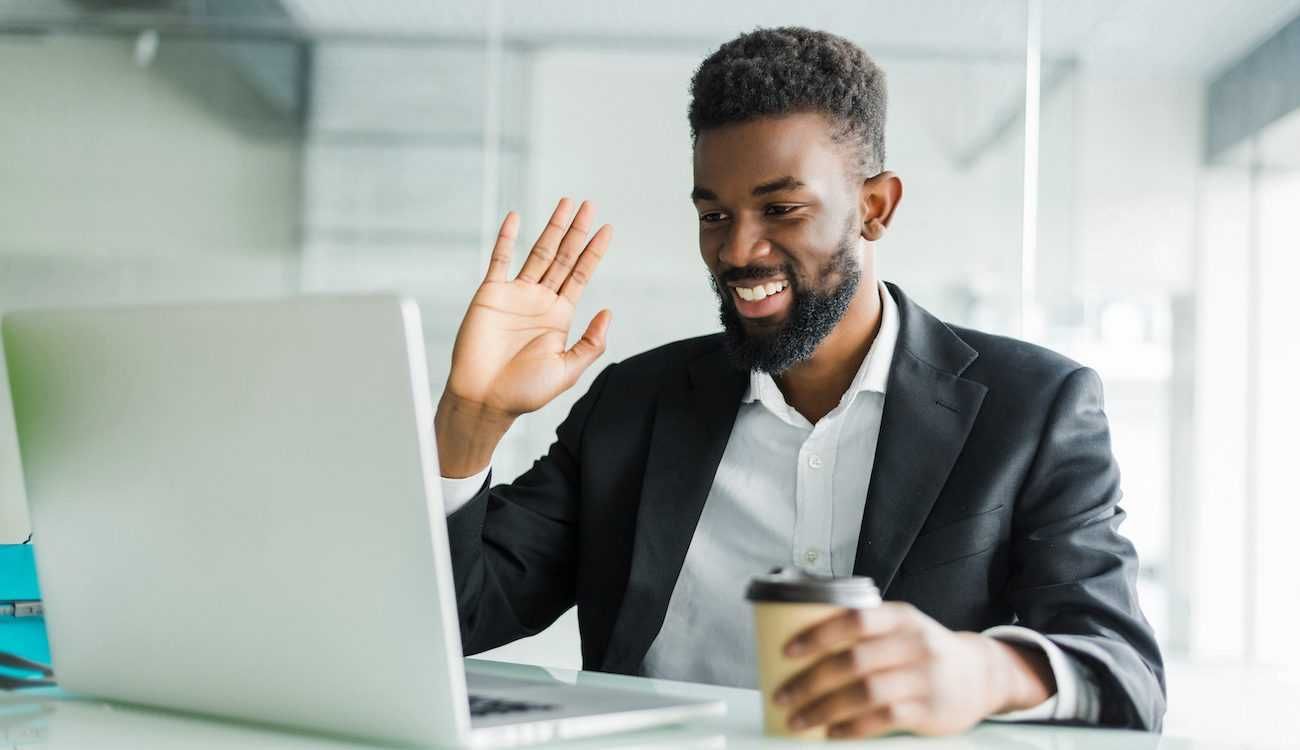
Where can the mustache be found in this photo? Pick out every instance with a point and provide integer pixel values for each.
(749, 273)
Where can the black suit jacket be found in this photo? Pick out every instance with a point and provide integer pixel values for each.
(993, 499)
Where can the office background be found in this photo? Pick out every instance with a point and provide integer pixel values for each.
(1118, 181)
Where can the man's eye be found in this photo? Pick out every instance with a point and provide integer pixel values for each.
(712, 217)
(780, 210)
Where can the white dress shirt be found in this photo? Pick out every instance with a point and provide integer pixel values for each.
(791, 493)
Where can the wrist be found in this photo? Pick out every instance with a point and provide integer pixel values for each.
(467, 435)
(1021, 675)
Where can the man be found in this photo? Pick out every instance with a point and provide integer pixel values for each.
(833, 425)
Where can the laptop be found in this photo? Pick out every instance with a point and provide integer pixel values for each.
(236, 510)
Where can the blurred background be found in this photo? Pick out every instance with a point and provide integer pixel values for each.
(1117, 181)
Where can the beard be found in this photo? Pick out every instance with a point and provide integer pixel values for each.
(813, 313)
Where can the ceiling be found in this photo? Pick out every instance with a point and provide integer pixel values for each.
(1160, 35)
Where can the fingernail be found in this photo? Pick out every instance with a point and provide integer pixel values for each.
(781, 697)
(798, 722)
(795, 648)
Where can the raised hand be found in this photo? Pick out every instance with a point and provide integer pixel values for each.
(510, 356)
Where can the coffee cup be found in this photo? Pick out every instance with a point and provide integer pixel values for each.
(786, 601)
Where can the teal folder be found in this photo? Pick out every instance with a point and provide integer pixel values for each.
(23, 636)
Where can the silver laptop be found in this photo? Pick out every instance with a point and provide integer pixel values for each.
(237, 511)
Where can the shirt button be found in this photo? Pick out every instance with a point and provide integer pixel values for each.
(815, 461)
(811, 556)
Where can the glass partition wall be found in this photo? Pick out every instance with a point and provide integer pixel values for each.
(1069, 179)
(138, 166)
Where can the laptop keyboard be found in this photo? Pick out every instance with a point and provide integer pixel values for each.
(481, 705)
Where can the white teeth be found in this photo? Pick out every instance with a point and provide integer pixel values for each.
(762, 291)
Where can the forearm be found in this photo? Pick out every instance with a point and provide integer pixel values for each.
(467, 435)
(514, 568)
(1076, 574)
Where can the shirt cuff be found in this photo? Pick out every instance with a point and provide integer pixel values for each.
(457, 492)
(1077, 696)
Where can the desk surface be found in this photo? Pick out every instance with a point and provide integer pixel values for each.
(36, 722)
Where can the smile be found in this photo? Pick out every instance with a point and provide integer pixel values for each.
(762, 300)
(756, 293)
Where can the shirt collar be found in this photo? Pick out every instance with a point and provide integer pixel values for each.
(873, 375)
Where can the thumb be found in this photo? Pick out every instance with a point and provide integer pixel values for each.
(589, 347)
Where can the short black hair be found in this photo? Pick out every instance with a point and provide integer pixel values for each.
(790, 69)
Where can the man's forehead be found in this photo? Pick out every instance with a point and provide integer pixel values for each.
(746, 156)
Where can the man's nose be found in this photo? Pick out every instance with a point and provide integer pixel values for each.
(742, 246)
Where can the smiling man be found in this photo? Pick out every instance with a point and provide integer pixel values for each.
(833, 425)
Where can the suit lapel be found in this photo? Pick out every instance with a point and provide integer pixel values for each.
(929, 410)
(692, 423)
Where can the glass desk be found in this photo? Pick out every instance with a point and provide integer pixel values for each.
(49, 721)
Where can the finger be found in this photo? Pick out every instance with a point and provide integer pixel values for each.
(850, 625)
(504, 249)
(842, 667)
(905, 716)
(860, 697)
(570, 247)
(547, 243)
(586, 265)
(841, 705)
(592, 344)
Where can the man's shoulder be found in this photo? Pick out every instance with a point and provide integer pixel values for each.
(639, 379)
(671, 357)
(1001, 363)
(1009, 362)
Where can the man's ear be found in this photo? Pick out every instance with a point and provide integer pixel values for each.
(879, 197)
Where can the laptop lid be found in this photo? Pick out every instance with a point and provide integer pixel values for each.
(236, 511)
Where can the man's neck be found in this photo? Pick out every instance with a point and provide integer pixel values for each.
(814, 386)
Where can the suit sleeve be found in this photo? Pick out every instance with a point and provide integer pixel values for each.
(1074, 576)
(514, 546)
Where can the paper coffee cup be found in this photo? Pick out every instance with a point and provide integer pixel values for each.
(785, 602)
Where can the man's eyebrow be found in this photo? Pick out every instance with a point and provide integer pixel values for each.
(777, 185)
(772, 186)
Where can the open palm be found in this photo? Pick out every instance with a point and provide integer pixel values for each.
(510, 354)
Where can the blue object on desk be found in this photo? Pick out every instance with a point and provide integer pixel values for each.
(23, 636)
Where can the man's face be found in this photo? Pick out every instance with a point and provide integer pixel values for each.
(778, 210)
